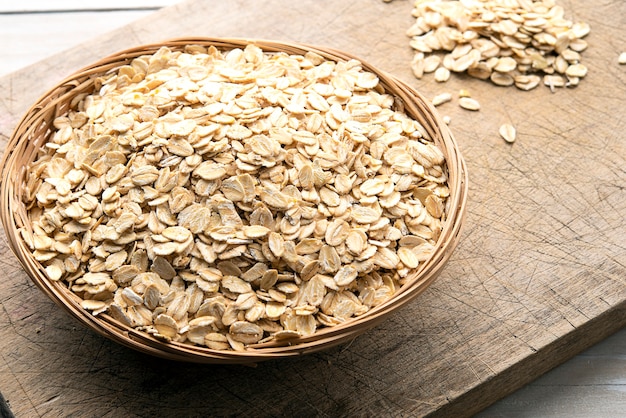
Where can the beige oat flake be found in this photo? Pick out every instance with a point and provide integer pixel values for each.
(507, 132)
(468, 103)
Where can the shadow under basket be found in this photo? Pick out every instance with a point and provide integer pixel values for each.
(35, 129)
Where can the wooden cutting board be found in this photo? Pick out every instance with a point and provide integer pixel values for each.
(540, 273)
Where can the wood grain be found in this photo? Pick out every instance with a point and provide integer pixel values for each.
(538, 277)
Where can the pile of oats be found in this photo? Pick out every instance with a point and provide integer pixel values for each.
(509, 42)
(228, 198)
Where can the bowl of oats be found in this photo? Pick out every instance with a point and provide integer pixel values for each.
(231, 201)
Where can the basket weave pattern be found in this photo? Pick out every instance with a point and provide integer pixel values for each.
(35, 129)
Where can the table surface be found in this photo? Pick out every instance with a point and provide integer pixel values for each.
(592, 383)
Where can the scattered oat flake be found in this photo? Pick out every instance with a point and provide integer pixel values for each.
(442, 74)
(507, 132)
(469, 104)
(441, 99)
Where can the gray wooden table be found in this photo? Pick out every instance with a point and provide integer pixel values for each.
(592, 384)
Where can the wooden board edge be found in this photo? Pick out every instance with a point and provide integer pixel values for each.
(535, 365)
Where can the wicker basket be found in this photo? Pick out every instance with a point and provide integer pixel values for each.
(35, 129)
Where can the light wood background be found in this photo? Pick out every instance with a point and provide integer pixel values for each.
(592, 384)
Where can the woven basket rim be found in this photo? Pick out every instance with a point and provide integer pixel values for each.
(33, 129)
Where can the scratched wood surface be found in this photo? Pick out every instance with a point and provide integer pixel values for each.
(539, 274)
